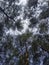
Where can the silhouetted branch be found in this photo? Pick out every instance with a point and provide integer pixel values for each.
(6, 14)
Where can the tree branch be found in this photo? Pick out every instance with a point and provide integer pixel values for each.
(6, 14)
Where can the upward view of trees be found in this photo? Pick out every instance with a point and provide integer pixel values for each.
(24, 32)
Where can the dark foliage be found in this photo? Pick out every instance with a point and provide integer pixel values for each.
(44, 14)
(33, 22)
(1, 29)
(32, 3)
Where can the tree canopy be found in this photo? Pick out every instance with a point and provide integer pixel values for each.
(24, 32)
